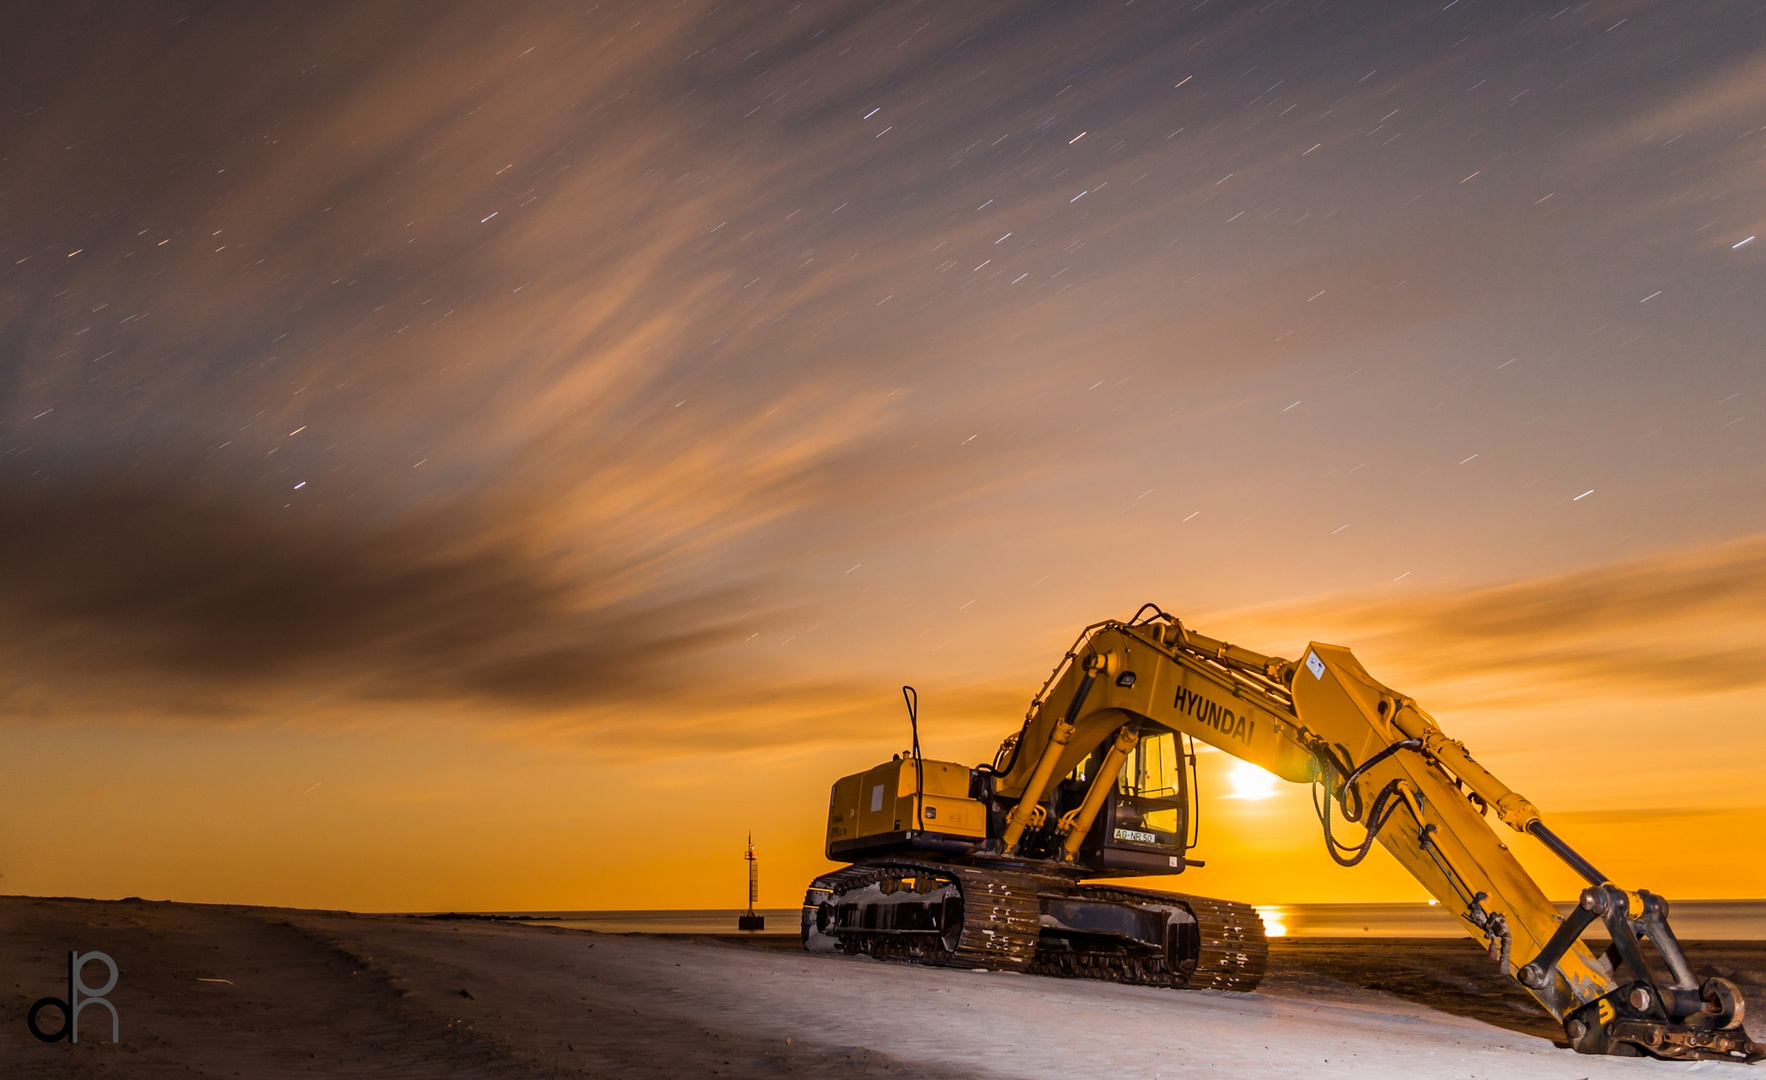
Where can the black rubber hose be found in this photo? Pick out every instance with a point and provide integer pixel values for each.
(1349, 788)
(1156, 611)
(912, 697)
(1351, 854)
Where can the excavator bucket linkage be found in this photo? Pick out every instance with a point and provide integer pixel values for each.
(1685, 1019)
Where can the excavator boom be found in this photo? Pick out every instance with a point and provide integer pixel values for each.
(1421, 795)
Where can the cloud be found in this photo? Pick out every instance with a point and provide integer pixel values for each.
(155, 595)
(1683, 624)
(637, 594)
(677, 318)
(1731, 97)
(861, 720)
(1696, 143)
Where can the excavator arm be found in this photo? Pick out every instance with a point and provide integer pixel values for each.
(1386, 767)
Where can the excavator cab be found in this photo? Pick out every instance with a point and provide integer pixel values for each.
(1145, 824)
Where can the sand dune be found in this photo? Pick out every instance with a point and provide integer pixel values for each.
(338, 995)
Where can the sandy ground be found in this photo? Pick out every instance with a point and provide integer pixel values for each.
(335, 995)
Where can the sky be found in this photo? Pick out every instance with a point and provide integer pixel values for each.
(496, 456)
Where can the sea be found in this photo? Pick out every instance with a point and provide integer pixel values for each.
(1692, 920)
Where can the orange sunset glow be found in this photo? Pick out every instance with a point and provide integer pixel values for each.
(495, 458)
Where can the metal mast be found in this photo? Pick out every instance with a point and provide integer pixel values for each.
(751, 921)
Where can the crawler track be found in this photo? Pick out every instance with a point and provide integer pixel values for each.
(1234, 951)
(1232, 955)
(996, 924)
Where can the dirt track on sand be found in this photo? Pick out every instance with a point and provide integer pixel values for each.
(312, 994)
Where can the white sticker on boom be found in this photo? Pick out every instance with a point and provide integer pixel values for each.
(876, 798)
(1313, 664)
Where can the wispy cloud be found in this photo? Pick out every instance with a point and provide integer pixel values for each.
(1683, 624)
(462, 371)
(1695, 148)
(155, 597)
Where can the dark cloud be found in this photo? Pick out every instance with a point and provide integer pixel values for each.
(662, 385)
(477, 351)
(146, 587)
(1682, 625)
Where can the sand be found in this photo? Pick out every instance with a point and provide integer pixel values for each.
(336, 995)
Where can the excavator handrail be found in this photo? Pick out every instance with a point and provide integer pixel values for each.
(1012, 742)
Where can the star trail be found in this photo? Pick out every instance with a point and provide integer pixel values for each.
(636, 385)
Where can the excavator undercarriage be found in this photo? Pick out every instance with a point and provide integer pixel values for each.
(1030, 920)
(992, 867)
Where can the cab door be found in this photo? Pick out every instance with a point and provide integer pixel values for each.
(1144, 826)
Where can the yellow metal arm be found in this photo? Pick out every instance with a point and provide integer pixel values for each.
(1029, 810)
(1323, 719)
(1077, 823)
(1514, 810)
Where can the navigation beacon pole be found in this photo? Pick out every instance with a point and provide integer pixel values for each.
(751, 921)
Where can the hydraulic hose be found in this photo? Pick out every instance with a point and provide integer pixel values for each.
(1352, 854)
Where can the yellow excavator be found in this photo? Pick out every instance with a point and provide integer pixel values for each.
(988, 867)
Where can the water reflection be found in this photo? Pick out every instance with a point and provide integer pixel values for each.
(1357, 920)
(1274, 921)
(1693, 920)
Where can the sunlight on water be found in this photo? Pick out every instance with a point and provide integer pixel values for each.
(1273, 924)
